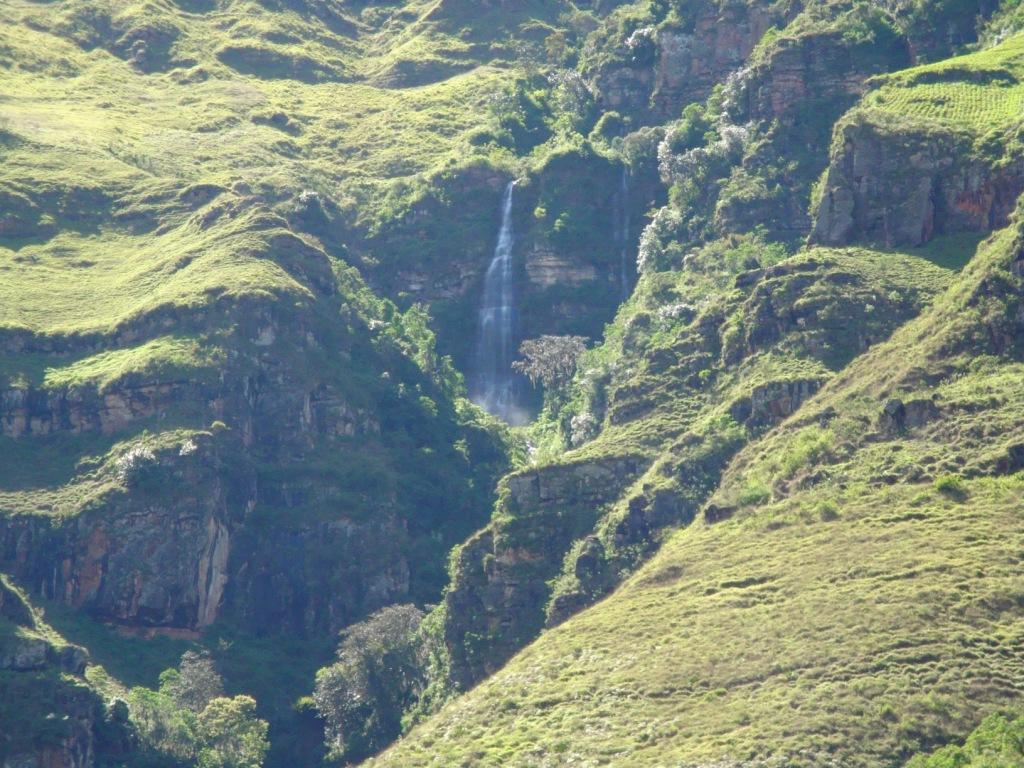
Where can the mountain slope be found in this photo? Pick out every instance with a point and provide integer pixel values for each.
(770, 519)
(865, 605)
(701, 361)
(207, 417)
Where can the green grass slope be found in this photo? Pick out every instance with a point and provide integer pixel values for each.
(979, 92)
(699, 362)
(864, 604)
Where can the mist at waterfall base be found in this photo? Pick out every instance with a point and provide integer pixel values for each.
(495, 386)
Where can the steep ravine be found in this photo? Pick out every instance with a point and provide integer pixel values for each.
(241, 326)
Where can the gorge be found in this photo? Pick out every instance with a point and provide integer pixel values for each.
(511, 383)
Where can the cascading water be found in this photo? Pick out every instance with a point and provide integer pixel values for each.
(622, 232)
(495, 382)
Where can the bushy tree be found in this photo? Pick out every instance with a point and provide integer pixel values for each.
(189, 721)
(377, 677)
(194, 683)
(550, 360)
(231, 735)
(998, 742)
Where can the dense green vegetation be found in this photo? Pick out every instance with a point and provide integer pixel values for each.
(768, 512)
(997, 741)
(858, 607)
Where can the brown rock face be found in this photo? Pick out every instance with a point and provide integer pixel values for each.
(823, 70)
(683, 64)
(178, 551)
(142, 557)
(795, 90)
(903, 186)
(31, 411)
(777, 400)
(545, 268)
(185, 534)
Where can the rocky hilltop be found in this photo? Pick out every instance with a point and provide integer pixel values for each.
(756, 267)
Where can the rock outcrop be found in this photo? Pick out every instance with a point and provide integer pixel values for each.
(813, 76)
(901, 184)
(794, 89)
(34, 411)
(180, 539)
(658, 71)
(245, 518)
(495, 604)
(42, 680)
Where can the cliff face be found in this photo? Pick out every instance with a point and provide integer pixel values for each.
(904, 186)
(496, 602)
(918, 159)
(818, 64)
(794, 87)
(133, 559)
(656, 71)
(143, 556)
(254, 481)
(43, 678)
(575, 222)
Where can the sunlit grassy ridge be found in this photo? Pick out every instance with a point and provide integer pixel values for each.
(97, 147)
(197, 115)
(956, 371)
(668, 307)
(132, 105)
(979, 92)
(698, 363)
(826, 643)
(95, 282)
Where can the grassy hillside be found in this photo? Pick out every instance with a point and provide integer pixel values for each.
(772, 520)
(848, 595)
(107, 153)
(699, 363)
(864, 604)
(979, 92)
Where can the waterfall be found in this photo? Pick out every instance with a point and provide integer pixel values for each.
(495, 382)
(622, 234)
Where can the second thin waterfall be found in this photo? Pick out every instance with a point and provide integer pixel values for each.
(622, 233)
(495, 382)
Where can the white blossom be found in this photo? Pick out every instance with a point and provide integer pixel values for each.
(132, 460)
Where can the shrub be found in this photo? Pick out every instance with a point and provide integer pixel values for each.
(194, 683)
(808, 447)
(133, 465)
(231, 735)
(827, 511)
(379, 674)
(951, 485)
(998, 741)
(754, 494)
(189, 720)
